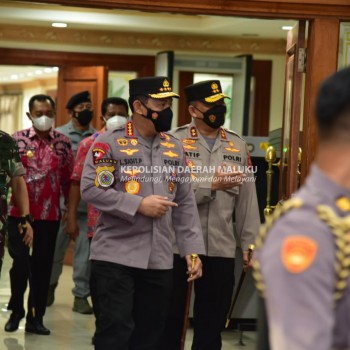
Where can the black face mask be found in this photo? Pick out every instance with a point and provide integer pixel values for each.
(215, 116)
(84, 117)
(161, 120)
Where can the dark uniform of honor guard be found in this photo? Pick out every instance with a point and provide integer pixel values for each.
(303, 259)
(134, 176)
(80, 108)
(11, 175)
(224, 186)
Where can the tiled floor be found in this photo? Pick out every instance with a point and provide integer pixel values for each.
(70, 330)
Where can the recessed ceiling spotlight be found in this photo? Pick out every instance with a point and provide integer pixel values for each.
(287, 27)
(59, 25)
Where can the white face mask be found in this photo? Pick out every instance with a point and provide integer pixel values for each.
(115, 121)
(43, 123)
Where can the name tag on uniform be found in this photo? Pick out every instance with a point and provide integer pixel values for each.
(231, 158)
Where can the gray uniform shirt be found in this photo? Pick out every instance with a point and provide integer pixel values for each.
(121, 169)
(300, 304)
(75, 136)
(216, 208)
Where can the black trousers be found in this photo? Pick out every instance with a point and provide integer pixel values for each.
(35, 269)
(132, 305)
(213, 293)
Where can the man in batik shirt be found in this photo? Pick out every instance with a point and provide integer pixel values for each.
(48, 158)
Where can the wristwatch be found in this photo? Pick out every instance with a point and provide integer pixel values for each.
(25, 218)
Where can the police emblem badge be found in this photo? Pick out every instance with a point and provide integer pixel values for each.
(104, 176)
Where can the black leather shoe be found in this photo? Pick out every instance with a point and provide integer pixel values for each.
(36, 327)
(13, 322)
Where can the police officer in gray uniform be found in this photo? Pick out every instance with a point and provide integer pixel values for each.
(303, 259)
(223, 184)
(134, 176)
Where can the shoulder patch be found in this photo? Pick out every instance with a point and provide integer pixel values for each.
(298, 253)
(99, 150)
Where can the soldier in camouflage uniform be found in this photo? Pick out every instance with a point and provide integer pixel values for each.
(303, 255)
(11, 171)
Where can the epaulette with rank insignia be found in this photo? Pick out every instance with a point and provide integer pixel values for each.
(340, 227)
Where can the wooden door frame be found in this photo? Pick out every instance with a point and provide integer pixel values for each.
(141, 64)
(322, 60)
(92, 78)
(288, 183)
(262, 73)
(292, 9)
(185, 79)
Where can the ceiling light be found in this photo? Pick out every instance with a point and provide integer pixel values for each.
(59, 25)
(287, 27)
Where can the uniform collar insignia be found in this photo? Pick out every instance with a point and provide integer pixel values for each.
(223, 134)
(164, 136)
(193, 132)
(129, 129)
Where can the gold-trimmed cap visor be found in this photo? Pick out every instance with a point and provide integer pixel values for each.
(214, 98)
(155, 87)
(164, 95)
(209, 91)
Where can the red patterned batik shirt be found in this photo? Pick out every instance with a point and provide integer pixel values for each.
(49, 164)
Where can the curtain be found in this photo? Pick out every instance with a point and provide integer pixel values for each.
(10, 112)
